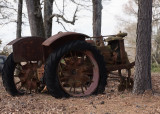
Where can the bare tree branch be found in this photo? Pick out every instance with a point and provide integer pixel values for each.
(130, 9)
(12, 21)
(62, 12)
(61, 24)
(64, 19)
(82, 5)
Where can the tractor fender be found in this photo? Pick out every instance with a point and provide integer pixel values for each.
(27, 49)
(59, 40)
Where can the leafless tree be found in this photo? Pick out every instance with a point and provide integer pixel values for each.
(48, 10)
(97, 17)
(142, 78)
(35, 18)
(19, 19)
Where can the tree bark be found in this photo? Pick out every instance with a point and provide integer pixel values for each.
(142, 79)
(97, 15)
(19, 19)
(48, 9)
(35, 18)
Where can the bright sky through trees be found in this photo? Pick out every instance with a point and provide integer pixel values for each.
(83, 24)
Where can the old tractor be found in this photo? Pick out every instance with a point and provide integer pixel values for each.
(67, 64)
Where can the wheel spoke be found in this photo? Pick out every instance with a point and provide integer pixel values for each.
(74, 89)
(16, 75)
(66, 61)
(71, 57)
(20, 87)
(19, 64)
(70, 89)
(17, 68)
(60, 69)
(85, 87)
(82, 89)
(18, 82)
(75, 56)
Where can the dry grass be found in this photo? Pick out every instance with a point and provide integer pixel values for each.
(112, 102)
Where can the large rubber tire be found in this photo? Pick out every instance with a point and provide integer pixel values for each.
(51, 76)
(8, 76)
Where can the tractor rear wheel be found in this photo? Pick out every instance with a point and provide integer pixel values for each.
(75, 69)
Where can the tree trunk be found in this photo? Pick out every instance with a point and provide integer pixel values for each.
(19, 19)
(35, 18)
(142, 79)
(97, 15)
(48, 9)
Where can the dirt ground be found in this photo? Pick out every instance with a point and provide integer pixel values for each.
(112, 102)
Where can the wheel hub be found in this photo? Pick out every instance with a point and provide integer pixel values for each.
(28, 77)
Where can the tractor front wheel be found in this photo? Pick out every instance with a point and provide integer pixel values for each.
(20, 78)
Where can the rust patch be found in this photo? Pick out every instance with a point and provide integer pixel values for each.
(27, 49)
(66, 35)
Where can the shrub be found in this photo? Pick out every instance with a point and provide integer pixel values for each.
(155, 67)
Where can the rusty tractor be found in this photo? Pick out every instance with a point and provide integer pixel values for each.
(66, 64)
